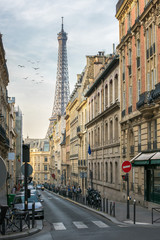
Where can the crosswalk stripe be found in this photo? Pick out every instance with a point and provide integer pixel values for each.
(59, 226)
(100, 224)
(80, 225)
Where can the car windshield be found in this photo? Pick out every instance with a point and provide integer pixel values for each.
(20, 199)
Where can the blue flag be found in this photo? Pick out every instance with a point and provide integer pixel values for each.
(89, 150)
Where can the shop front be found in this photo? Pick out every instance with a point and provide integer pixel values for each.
(151, 164)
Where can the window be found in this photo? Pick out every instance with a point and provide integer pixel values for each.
(138, 53)
(45, 159)
(98, 103)
(106, 133)
(148, 81)
(149, 135)
(116, 129)
(116, 87)
(129, 20)
(147, 38)
(130, 62)
(111, 131)
(106, 172)
(155, 134)
(155, 79)
(98, 136)
(152, 78)
(111, 173)
(139, 138)
(45, 177)
(130, 96)
(98, 171)
(45, 167)
(123, 68)
(106, 96)
(124, 100)
(111, 91)
(137, 10)
(138, 88)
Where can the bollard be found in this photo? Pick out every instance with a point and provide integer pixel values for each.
(110, 208)
(103, 209)
(134, 211)
(113, 209)
(106, 206)
(33, 214)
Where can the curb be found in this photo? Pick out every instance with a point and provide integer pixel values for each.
(20, 234)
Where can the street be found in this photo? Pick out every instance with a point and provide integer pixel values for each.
(67, 221)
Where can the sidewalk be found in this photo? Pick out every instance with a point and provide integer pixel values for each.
(28, 232)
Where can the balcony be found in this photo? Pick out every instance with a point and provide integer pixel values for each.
(156, 93)
(146, 104)
(80, 130)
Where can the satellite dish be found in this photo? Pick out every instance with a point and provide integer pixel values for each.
(3, 172)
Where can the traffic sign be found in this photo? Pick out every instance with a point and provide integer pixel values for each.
(29, 169)
(126, 166)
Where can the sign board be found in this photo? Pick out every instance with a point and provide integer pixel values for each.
(11, 156)
(126, 166)
(3, 172)
(29, 169)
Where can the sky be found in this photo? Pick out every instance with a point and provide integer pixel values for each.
(29, 32)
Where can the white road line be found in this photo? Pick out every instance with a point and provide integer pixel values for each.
(100, 224)
(59, 226)
(80, 225)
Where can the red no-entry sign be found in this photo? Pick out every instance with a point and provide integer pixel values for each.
(126, 166)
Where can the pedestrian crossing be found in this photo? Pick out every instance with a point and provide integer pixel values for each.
(79, 225)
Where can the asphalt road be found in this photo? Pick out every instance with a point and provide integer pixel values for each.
(67, 221)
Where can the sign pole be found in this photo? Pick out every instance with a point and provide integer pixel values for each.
(127, 195)
(25, 186)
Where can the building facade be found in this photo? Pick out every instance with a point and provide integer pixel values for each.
(39, 160)
(139, 47)
(103, 100)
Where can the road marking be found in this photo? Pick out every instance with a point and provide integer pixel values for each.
(80, 225)
(59, 226)
(100, 224)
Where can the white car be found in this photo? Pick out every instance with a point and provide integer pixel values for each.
(18, 204)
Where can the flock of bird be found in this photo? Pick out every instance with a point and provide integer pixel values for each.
(41, 80)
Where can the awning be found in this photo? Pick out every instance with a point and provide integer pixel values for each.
(156, 159)
(142, 159)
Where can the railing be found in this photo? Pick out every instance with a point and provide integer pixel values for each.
(156, 210)
(145, 98)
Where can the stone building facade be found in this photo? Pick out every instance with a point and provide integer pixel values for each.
(39, 160)
(103, 133)
(139, 47)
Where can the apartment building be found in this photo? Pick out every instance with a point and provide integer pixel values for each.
(139, 47)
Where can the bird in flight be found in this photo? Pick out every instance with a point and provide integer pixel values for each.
(21, 66)
(35, 68)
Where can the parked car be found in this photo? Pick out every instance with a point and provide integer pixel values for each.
(18, 204)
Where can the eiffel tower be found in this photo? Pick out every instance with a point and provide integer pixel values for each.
(62, 90)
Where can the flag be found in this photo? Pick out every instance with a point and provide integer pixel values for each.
(89, 150)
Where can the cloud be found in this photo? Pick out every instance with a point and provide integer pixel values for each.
(30, 30)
